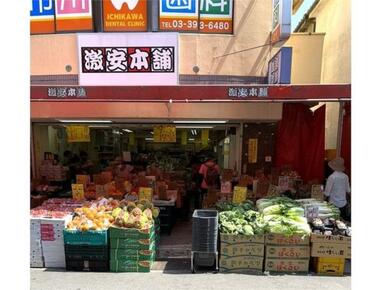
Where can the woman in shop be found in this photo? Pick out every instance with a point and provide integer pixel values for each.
(338, 187)
(210, 173)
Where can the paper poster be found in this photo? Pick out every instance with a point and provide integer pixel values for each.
(78, 133)
(165, 134)
(239, 194)
(125, 15)
(145, 193)
(73, 15)
(226, 187)
(184, 137)
(77, 191)
(252, 150)
(204, 137)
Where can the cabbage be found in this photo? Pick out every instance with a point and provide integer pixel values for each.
(273, 209)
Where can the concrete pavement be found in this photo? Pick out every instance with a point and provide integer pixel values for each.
(47, 279)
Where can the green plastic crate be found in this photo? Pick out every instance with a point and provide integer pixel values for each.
(130, 254)
(91, 238)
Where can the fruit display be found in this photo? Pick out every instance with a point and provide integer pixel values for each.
(87, 218)
(55, 208)
(137, 215)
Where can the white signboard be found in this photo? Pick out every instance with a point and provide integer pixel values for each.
(125, 59)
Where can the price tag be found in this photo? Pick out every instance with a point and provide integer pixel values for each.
(145, 193)
(239, 194)
(272, 190)
(311, 212)
(317, 191)
(77, 191)
(283, 183)
(226, 187)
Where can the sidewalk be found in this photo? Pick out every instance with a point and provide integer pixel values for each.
(47, 279)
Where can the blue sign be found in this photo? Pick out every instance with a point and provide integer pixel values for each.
(279, 67)
(178, 6)
(42, 8)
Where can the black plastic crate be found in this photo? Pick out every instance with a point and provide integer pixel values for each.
(97, 253)
(87, 265)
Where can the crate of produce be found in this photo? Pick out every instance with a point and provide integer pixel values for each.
(92, 238)
(278, 265)
(329, 266)
(76, 252)
(131, 233)
(241, 245)
(130, 266)
(331, 250)
(87, 265)
(131, 254)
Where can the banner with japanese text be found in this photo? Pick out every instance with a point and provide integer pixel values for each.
(124, 15)
(73, 15)
(205, 137)
(119, 59)
(252, 150)
(165, 134)
(76, 133)
(42, 16)
(184, 137)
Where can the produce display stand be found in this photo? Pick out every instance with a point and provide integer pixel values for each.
(204, 239)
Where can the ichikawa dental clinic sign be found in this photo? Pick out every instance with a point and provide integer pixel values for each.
(119, 59)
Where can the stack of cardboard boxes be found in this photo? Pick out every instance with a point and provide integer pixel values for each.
(287, 253)
(132, 250)
(241, 254)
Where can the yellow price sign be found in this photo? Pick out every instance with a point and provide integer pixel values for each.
(76, 133)
(77, 191)
(165, 133)
(204, 137)
(252, 150)
(239, 194)
(145, 193)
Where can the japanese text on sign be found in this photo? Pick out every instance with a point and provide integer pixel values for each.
(247, 92)
(239, 194)
(252, 150)
(77, 133)
(120, 17)
(73, 15)
(42, 16)
(62, 92)
(77, 191)
(127, 59)
(165, 133)
(216, 16)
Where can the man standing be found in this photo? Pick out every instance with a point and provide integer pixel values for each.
(338, 187)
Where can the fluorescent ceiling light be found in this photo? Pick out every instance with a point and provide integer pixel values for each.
(152, 132)
(127, 130)
(85, 121)
(99, 126)
(149, 139)
(191, 139)
(199, 122)
(314, 108)
(194, 127)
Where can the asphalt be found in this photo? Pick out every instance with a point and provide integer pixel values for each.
(46, 279)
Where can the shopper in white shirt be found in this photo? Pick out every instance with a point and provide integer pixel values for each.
(338, 187)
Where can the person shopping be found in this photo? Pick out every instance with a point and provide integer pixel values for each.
(210, 173)
(338, 187)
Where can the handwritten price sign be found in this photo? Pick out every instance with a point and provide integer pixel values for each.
(77, 191)
(145, 193)
(239, 194)
(165, 134)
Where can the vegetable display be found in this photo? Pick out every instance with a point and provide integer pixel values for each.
(228, 205)
(325, 209)
(330, 226)
(236, 223)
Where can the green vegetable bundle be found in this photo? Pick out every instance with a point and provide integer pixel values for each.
(242, 223)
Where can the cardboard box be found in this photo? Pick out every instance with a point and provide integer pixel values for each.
(286, 265)
(242, 249)
(133, 255)
(130, 266)
(315, 238)
(130, 233)
(234, 239)
(331, 250)
(241, 263)
(291, 252)
(278, 239)
(143, 244)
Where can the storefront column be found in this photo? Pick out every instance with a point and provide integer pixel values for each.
(340, 127)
